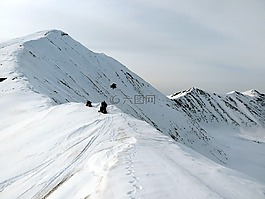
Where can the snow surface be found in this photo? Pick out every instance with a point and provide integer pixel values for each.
(51, 149)
(71, 151)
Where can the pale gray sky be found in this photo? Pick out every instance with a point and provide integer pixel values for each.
(173, 44)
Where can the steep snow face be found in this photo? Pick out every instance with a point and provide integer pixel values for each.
(236, 120)
(55, 65)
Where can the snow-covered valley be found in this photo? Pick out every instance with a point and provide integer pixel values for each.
(53, 146)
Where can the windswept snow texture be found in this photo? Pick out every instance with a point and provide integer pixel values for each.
(53, 146)
(72, 151)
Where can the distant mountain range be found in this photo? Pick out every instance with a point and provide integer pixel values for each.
(245, 109)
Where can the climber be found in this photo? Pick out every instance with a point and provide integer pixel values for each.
(103, 107)
(88, 103)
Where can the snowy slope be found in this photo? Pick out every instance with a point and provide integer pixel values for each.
(236, 120)
(71, 151)
(53, 64)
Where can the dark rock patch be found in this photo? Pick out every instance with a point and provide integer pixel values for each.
(2, 79)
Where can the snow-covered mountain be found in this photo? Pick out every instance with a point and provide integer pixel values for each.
(236, 120)
(52, 146)
(53, 64)
(235, 108)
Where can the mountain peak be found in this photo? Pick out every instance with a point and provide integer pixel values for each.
(192, 90)
(16, 44)
(55, 32)
(196, 90)
(253, 92)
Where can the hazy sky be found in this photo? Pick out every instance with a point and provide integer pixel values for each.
(173, 44)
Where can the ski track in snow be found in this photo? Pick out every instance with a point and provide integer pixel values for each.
(82, 138)
(99, 145)
(102, 130)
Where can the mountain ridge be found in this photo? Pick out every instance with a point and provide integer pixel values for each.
(249, 104)
(53, 146)
(54, 64)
